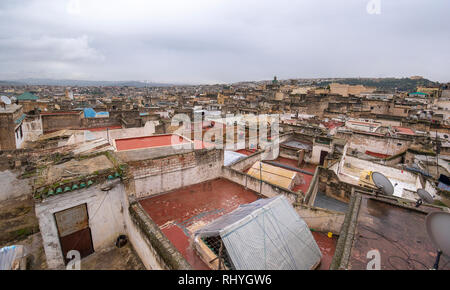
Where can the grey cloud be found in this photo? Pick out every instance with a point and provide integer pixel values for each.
(224, 40)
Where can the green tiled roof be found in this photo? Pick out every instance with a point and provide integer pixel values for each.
(418, 94)
(27, 96)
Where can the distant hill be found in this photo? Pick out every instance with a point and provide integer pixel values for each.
(385, 84)
(81, 83)
(10, 83)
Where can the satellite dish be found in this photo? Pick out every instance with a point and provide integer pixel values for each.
(438, 229)
(382, 183)
(425, 195)
(5, 100)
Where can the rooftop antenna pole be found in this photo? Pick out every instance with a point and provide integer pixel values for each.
(438, 257)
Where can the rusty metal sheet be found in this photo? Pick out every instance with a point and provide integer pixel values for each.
(72, 220)
(80, 241)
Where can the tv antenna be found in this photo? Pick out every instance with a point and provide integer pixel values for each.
(438, 228)
(423, 196)
(383, 184)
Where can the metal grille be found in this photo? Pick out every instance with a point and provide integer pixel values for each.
(216, 245)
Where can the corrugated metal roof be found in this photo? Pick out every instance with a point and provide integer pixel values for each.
(231, 157)
(267, 234)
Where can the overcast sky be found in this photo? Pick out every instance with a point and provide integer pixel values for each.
(214, 41)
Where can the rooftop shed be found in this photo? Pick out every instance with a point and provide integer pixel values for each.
(276, 175)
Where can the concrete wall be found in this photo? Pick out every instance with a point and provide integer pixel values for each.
(106, 218)
(378, 144)
(247, 162)
(317, 149)
(175, 171)
(398, 174)
(152, 246)
(12, 187)
(147, 130)
(320, 219)
(19, 136)
(32, 127)
(99, 122)
(330, 185)
(143, 247)
(9, 123)
(59, 121)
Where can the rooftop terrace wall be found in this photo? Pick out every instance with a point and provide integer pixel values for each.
(173, 171)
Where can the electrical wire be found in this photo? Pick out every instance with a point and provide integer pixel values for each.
(408, 260)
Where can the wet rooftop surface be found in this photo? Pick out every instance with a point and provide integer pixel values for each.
(148, 142)
(292, 162)
(305, 167)
(327, 247)
(181, 212)
(398, 233)
(324, 201)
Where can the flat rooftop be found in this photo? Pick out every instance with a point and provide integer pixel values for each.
(181, 212)
(149, 142)
(398, 233)
(327, 247)
(306, 167)
(324, 201)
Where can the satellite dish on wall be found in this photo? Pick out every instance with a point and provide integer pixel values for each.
(424, 196)
(438, 229)
(5, 100)
(382, 183)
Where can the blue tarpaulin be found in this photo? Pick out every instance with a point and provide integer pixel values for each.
(91, 113)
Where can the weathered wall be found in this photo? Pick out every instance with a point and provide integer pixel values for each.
(10, 121)
(32, 127)
(152, 246)
(320, 219)
(99, 122)
(175, 171)
(60, 121)
(330, 185)
(247, 162)
(374, 143)
(360, 164)
(106, 218)
(317, 149)
(12, 187)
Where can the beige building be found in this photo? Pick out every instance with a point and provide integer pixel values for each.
(346, 90)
